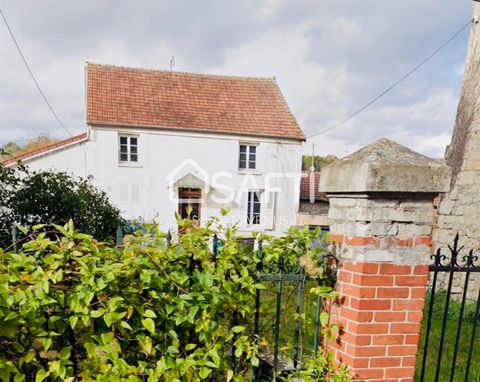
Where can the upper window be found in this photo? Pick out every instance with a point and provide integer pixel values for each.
(253, 207)
(128, 149)
(247, 159)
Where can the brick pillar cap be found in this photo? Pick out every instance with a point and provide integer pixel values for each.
(386, 166)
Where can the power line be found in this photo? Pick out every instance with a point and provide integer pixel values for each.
(391, 87)
(33, 77)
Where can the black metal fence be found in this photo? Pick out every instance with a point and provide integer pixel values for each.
(449, 345)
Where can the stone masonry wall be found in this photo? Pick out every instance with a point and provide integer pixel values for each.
(459, 209)
(382, 222)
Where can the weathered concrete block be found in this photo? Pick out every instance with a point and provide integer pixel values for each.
(386, 166)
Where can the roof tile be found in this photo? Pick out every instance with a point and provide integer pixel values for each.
(119, 96)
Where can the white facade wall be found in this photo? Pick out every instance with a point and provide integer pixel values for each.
(145, 190)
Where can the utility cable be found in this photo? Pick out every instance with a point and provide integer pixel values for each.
(391, 87)
(33, 77)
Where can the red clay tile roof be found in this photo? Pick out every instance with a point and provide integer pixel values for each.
(44, 149)
(305, 184)
(119, 96)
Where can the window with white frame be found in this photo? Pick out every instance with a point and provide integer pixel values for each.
(254, 207)
(247, 159)
(128, 149)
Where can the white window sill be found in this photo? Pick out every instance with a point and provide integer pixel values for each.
(130, 164)
(250, 172)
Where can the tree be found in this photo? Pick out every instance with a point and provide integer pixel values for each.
(13, 149)
(318, 162)
(29, 198)
(10, 148)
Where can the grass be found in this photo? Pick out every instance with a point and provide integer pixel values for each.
(287, 319)
(434, 336)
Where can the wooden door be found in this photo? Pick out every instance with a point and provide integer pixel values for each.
(189, 203)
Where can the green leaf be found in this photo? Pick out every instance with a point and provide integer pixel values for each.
(324, 318)
(112, 317)
(19, 378)
(192, 312)
(46, 342)
(11, 316)
(97, 313)
(64, 354)
(73, 321)
(149, 313)
(124, 324)
(41, 375)
(238, 352)
(204, 372)
(149, 324)
(172, 350)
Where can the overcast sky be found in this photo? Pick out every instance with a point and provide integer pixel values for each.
(330, 57)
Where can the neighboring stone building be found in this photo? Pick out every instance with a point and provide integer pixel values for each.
(313, 206)
(459, 209)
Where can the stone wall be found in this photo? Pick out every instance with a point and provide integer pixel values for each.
(404, 222)
(459, 209)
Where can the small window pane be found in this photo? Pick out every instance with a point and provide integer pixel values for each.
(133, 149)
(124, 149)
(253, 207)
(243, 149)
(133, 141)
(123, 157)
(134, 157)
(123, 140)
(253, 149)
(242, 164)
(251, 165)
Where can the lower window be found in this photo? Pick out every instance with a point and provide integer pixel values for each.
(253, 207)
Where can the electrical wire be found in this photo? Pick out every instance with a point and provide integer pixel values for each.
(391, 87)
(33, 77)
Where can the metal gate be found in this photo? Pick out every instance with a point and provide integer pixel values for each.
(449, 345)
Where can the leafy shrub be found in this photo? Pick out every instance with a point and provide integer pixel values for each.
(73, 308)
(28, 198)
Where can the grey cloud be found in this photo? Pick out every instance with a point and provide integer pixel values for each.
(353, 49)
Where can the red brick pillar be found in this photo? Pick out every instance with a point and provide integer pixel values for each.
(380, 310)
(381, 217)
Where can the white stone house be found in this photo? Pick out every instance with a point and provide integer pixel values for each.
(161, 142)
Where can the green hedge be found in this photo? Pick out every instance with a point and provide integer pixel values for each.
(73, 308)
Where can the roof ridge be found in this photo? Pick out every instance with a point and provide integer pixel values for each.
(196, 74)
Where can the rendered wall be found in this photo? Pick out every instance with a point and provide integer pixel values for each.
(144, 190)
